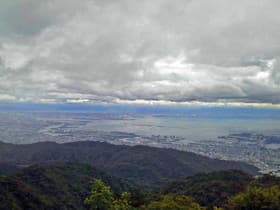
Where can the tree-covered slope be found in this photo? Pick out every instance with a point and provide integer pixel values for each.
(52, 187)
(142, 164)
(210, 189)
(67, 185)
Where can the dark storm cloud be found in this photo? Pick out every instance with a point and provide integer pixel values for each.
(107, 51)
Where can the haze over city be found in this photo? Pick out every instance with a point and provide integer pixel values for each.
(139, 105)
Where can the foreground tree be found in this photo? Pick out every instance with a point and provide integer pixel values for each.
(123, 202)
(101, 198)
(257, 198)
(174, 202)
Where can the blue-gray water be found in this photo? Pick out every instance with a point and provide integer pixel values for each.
(247, 134)
(192, 123)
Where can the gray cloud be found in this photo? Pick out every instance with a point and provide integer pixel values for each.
(96, 51)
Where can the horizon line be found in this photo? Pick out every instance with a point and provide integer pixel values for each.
(151, 103)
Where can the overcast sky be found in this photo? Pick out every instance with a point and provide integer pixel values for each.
(117, 51)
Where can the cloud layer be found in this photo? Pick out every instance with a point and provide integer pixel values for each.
(127, 50)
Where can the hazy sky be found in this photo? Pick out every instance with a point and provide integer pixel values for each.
(121, 50)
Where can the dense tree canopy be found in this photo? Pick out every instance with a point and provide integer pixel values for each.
(257, 198)
(67, 186)
(175, 202)
(102, 198)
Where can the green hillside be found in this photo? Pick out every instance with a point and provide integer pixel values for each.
(67, 185)
(141, 164)
(52, 187)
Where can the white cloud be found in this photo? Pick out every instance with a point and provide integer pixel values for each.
(96, 51)
(6, 97)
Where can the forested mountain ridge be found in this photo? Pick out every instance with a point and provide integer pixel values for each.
(67, 185)
(62, 186)
(141, 164)
(47, 175)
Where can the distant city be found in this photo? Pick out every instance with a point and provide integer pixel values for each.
(255, 141)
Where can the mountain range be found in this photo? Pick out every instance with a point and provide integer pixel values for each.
(141, 164)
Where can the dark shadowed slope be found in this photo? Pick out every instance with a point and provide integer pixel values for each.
(210, 189)
(62, 186)
(66, 185)
(142, 164)
(215, 188)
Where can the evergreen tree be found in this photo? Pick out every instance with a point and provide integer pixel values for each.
(174, 202)
(257, 198)
(101, 197)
